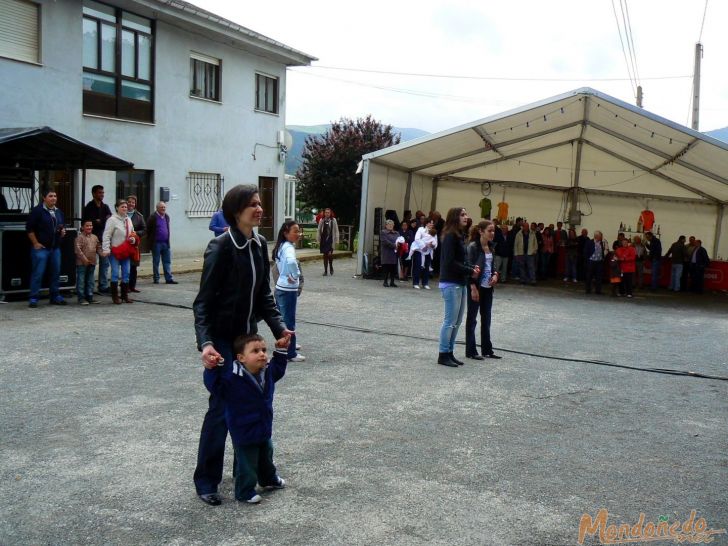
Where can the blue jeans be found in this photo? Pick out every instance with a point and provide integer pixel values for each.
(125, 265)
(103, 273)
(253, 464)
(85, 281)
(286, 302)
(656, 263)
(40, 260)
(162, 250)
(676, 276)
(455, 302)
(420, 271)
(211, 450)
(570, 271)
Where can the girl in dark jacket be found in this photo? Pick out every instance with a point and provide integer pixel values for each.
(455, 270)
(234, 294)
(480, 297)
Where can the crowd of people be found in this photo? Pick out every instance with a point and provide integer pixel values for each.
(110, 240)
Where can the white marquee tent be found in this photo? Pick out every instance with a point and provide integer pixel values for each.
(581, 151)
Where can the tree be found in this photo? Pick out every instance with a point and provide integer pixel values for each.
(327, 176)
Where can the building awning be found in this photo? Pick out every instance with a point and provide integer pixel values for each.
(42, 148)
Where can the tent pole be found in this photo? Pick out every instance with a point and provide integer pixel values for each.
(363, 216)
(408, 192)
(718, 225)
(433, 201)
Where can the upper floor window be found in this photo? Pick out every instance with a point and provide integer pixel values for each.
(20, 30)
(266, 93)
(118, 59)
(204, 77)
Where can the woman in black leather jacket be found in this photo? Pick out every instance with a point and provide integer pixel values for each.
(234, 294)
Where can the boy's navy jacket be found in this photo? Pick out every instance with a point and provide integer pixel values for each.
(248, 409)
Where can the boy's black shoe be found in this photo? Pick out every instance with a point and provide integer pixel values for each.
(475, 357)
(444, 359)
(279, 484)
(492, 355)
(171, 282)
(213, 499)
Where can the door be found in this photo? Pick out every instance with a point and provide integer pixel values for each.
(267, 189)
(137, 183)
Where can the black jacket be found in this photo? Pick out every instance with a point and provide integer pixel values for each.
(500, 245)
(235, 289)
(454, 265)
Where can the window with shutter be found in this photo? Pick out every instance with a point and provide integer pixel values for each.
(20, 30)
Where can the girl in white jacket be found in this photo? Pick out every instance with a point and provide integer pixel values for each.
(287, 285)
(118, 231)
(421, 253)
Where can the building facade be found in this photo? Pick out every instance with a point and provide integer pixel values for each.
(194, 101)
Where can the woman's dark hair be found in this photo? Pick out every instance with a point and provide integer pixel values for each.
(477, 228)
(452, 222)
(285, 228)
(236, 200)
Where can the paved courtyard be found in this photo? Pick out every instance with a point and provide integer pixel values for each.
(101, 409)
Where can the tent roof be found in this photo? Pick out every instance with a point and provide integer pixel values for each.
(45, 148)
(583, 137)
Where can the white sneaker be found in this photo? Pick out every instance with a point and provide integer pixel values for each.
(298, 347)
(427, 287)
(255, 499)
(416, 286)
(280, 485)
(566, 279)
(298, 358)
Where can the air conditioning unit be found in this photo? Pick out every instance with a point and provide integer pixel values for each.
(575, 217)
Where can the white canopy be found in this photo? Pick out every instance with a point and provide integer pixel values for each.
(592, 152)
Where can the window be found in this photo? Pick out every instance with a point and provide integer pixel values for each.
(266, 93)
(204, 77)
(118, 60)
(19, 30)
(205, 194)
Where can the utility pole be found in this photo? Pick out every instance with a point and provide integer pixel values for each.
(639, 96)
(696, 86)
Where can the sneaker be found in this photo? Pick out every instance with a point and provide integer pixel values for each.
(416, 286)
(298, 346)
(58, 301)
(33, 304)
(629, 295)
(427, 287)
(574, 280)
(255, 499)
(298, 358)
(82, 302)
(171, 282)
(280, 484)
(93, 301)
(566, 279)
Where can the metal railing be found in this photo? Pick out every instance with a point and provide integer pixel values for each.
(205, 194)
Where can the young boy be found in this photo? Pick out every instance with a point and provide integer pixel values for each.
(87, 246)
(247, 386)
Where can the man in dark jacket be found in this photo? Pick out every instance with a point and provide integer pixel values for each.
(98, 212)
(654, 248)
(511, 241)
(158, 235)
(581, 241)
(501, 251)
(698, 262)
(45, 228)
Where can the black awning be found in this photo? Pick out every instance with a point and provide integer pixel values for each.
(42, 148)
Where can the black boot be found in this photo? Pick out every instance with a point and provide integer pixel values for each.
(385, 283)
(115, 292)
(445, 360)
(125, 293)
(455, 360)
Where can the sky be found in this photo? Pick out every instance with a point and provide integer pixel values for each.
(495, 56)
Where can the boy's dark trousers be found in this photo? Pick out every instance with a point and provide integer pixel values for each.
(253, 464)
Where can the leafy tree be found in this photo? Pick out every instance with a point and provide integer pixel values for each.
(327, 176)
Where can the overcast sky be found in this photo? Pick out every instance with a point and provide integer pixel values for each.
(529, 41)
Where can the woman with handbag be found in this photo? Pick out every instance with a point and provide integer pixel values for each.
(120, 244)
(288, 283)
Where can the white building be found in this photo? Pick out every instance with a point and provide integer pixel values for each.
(194, 101)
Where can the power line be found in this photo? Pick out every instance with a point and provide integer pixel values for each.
(624, 51)
(631, 40)
(483, 78)
(700, 37)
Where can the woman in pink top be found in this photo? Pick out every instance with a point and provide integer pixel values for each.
(627, 256)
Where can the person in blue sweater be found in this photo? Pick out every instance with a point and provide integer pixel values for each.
(218, 224)
(247, 386)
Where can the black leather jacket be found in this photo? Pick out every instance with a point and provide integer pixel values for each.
(454, 264)
(235, 289)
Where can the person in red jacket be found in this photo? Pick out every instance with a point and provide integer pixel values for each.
(627, 256)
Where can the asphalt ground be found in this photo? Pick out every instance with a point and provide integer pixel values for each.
(102, 407)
